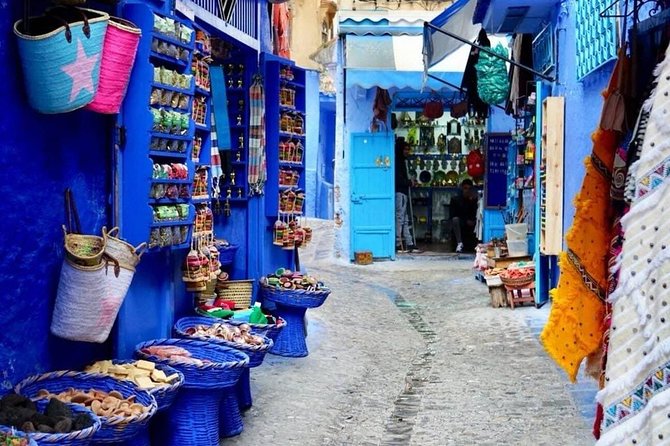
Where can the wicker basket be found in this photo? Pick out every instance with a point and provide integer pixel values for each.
(518, 282)
(114, 429)
(84, 250)
(256, 353)
(238, 291)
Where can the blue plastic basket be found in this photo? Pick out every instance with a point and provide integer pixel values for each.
(61, 57)
(193, 418)
(294, 298)
(227, 254)
(164, 395)
(223, 370)
(77, 438)
(256, 353)
(114, 430)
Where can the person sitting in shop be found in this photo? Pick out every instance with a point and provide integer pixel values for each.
(403, 236)
(463, 214)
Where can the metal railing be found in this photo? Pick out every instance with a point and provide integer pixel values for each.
(244, 16)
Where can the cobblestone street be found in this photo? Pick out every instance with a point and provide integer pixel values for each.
(411, 353)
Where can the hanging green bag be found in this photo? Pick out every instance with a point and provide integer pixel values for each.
(492, 78)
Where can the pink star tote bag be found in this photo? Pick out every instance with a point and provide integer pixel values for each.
(60, 52)
(118, 57)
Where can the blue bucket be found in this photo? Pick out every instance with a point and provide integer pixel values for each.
(60, 55)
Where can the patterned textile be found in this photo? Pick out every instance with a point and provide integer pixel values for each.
(575, 327)
(257, 169)
(635, 398)
(216, 170)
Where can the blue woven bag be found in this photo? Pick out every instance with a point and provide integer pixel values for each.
(60, 53)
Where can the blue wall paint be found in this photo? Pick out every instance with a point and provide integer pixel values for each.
(41, 156)
(583, 102)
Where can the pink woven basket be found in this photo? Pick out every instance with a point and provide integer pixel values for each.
(118, 57)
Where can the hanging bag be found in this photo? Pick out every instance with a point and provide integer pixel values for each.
(118, 57)
(80, 249)
(433, 108)
(60, 56)
(492, 77)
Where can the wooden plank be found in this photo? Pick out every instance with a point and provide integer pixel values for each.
(506, 261)
(551, 242)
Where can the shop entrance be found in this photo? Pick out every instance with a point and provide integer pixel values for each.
(372, 194)
(437, 167)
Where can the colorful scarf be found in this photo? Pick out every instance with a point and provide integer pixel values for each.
(257, 169)
(635, 402)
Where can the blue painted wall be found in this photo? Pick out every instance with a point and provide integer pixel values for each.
(583, 102)
(41, 156)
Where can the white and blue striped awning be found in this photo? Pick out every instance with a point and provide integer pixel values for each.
(396, 62)
(456, 19)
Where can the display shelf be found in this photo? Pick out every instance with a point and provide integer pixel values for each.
(161, 224)
(202, 91)
(187, 137)
(202, 128)
(165, 201)
(291, 135)
(169, 61)
(173, 40)
(167, 154)
(290, 165)
(189, 91)
(168, 181)
(199, 200)
(140, 151)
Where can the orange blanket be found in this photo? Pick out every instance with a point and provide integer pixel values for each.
(575, 327)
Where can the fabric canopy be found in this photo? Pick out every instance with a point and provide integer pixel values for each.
(395, 61)
(456, 19)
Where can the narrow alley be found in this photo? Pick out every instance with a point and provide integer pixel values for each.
(411, 353)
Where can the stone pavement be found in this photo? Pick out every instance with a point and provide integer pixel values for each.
(411, 353)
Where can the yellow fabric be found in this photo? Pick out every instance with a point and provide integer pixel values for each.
(575, 327)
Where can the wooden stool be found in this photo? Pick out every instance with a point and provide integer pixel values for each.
(520, 295)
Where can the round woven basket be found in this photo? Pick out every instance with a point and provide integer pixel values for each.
(84, 250)
(294, 298)
(114, 430)
(164, 395)
(223, 369)
(518, 282)
(256, 353)
(76, 438)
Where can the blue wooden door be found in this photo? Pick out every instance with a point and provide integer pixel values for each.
(373, 194)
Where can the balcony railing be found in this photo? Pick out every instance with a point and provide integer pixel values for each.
(244, 16)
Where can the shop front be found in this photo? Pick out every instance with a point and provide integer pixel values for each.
(181, 142)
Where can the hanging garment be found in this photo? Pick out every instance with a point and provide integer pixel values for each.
(380, 107)
(576, 322)
(281, 30)
(636, 397)
(521, 81)
(216, 171)
(257, 168)
(615, 114)
(476, 106)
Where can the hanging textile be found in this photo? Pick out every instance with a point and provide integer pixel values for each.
(492, 77)
(475, 105)
(522, 82)
(215, 164)
(576, 322)
(281, 30)
(257, 161)
(635, 399)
